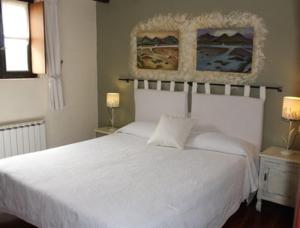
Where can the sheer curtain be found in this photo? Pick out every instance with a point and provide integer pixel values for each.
(56, 98)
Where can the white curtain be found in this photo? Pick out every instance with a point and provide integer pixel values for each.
(56, 98)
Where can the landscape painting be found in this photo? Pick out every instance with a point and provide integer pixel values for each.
(157, 50)
(225, 50)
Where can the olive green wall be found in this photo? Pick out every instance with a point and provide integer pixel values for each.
(116, 19)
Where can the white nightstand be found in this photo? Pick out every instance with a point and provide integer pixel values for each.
(278, 177)
(105, 131)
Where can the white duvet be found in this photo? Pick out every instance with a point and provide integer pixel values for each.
(119, 181)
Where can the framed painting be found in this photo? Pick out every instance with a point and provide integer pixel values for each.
(225, 50)
(158, 50)
(211, 47)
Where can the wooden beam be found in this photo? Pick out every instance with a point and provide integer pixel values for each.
(104, 1)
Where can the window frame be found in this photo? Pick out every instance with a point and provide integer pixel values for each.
(14, 74)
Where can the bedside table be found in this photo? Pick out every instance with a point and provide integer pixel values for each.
(105, 131)
(278, 177)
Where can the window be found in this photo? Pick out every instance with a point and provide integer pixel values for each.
(21, 45)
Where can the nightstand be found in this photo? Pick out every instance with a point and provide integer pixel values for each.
(278, 177)
(105, 131)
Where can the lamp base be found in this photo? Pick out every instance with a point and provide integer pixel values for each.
(286, 152)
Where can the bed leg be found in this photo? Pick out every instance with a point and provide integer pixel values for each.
(258, 205)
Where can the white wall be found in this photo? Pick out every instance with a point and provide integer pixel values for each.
(28, 98)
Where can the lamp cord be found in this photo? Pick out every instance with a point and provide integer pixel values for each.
(294, 138)
(109, 110)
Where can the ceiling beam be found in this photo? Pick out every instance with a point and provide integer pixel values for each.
(104, 1)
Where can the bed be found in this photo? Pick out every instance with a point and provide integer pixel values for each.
(120, 181)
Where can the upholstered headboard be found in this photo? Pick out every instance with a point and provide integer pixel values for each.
(150, 104)
(237, 116)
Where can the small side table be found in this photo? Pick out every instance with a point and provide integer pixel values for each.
(278, 177)
(105, 131)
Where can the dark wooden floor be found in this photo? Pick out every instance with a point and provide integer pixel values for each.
(272, 216)
(7, 221)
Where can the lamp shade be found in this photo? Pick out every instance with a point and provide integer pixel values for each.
(112, 100)
(291, 108)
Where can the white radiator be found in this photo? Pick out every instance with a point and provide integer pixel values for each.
(22, 138)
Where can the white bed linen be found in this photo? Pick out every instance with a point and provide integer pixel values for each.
(119, 181)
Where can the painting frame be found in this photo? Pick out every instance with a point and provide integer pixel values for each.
(187, 27)
(160, 23)
(232, 20)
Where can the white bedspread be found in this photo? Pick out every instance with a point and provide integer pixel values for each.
(119, 181)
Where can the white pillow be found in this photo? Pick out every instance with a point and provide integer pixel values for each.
(139, 128)
(171, 131)
(222, 143)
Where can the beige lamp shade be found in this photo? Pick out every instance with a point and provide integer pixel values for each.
(291, 108)
(112, 100)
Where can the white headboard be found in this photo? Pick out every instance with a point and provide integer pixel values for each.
(150, 104)
(237, 116)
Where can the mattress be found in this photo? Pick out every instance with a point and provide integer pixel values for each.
(119, 181)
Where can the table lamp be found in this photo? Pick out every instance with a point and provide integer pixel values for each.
(290, 112)
(112, 102)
